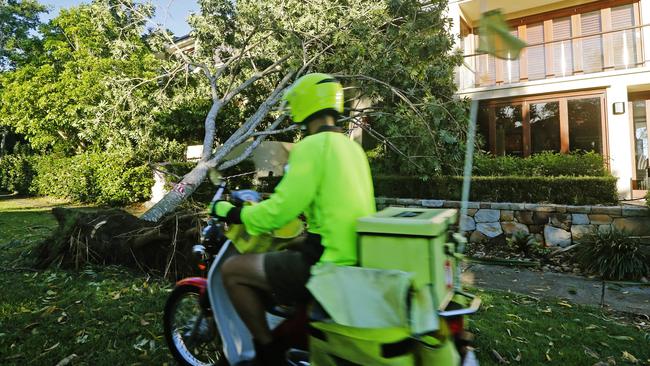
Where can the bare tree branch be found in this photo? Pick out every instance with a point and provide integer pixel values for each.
(379, 136)
(212, 79)
(210, 129)
(393, 89)
(311, 60)
(245, 131)
(267, 132)
(271, 69)
(246, 47)
(399, 94)
(158, 27)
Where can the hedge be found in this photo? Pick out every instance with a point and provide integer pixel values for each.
(104, 178)
(110, 178)
(561, 190)
(16, 173)
(116, 178)
(544, 164)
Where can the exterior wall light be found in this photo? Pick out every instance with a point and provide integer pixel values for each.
(619, 107)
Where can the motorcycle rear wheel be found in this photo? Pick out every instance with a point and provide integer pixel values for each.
(191, 331)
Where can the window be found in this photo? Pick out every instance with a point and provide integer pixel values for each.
(511, 69)
(562, 50)
(532, 125)
(487, 70)
(585, 124)
(466, 73)
(483, 126)
(592, 47)
(544, 126)
(588, 38)
(640, 121)
(509, 130)
(624, 41)
(535, 54)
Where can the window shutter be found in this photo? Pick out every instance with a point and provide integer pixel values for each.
(511, 68)
(535, 54)
(592, 47)
(624, 42)
(486, 68)
(562, 50)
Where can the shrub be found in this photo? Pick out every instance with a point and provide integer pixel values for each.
(120, 179)
(65, 177)
(105, 178)
(16, 173)
(613, 255)
(543, 164)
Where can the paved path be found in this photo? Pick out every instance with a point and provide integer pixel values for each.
(577, 289)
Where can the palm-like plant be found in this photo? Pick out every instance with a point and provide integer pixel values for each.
(613, 255)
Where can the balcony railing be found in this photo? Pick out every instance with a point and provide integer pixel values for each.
(584, 54)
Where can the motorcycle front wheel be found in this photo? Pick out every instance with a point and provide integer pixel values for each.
(191, 331)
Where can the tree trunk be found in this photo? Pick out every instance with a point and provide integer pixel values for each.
(210, 128)
(3, 141)
(181, 191)
(194, 178)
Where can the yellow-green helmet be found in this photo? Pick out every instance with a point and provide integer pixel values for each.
(313, 93)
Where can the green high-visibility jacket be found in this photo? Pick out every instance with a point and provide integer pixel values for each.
(328, 179)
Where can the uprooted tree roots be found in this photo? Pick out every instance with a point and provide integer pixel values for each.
(116, 237)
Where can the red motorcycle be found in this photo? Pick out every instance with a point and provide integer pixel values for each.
(201, 326)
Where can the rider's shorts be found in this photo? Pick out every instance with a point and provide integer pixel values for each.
(288, 272)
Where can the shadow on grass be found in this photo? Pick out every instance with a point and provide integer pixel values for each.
(20, 203)
(21, 230)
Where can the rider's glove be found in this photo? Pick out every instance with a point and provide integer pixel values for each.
(226, 211)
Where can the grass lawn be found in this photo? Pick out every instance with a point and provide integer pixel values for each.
(530, 331)
(112, 316)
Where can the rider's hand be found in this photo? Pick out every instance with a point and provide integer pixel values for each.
(220, 209)
(225, 211)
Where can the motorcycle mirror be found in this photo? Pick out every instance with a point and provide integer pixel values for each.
(214, 176)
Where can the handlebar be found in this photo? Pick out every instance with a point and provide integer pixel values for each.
(220, 189)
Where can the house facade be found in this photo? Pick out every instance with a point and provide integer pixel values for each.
(582, 82)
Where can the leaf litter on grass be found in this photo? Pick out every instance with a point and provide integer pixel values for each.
(506, 329)
(536, 329)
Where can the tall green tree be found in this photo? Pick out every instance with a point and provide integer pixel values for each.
(19, 20)
(93, 86)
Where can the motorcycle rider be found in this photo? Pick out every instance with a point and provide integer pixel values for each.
(328, 180)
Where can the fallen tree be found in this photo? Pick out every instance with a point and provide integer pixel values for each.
(262, 47)
(116, 237)
(395, 57)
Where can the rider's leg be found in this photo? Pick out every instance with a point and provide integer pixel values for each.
(243, 277)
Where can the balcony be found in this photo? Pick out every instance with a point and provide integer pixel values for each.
(561, 44)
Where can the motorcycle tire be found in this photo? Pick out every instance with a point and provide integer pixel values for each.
(199, 332)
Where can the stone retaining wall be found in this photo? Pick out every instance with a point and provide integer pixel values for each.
(553, 224)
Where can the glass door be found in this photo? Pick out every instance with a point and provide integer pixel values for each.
(640, 126)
